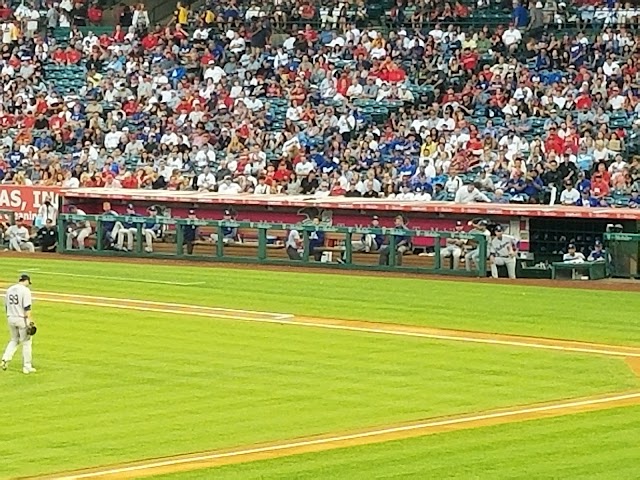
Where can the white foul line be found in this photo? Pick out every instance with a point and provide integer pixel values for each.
(119, 279)
(354, 436)
(286, 319)
(211, 311)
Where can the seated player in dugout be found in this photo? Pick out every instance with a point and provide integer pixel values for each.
(403, 244)
(229, 234)
(153, 229)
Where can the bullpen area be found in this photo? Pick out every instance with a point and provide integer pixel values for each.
(197, 372)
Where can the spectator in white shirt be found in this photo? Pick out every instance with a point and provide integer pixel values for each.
(469, 194)
(304, 167)
(421, 195)
(511, 38)
(112, 139)
(70, 181)
(610, 67)
(227, 187)
(206, 180)
(262, 188)
(616, 101)
(405, 194)
(570, 195)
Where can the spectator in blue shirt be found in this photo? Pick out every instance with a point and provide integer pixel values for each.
(586, 200)
(533, 185)
(407, 169)
(520, 15)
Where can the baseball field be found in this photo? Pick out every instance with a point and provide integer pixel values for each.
(180, 372)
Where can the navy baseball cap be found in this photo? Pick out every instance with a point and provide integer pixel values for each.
(571, 245)
(498, 228)
(375, 217)
(130, 206)
(227, 212)
(25, 278)
(192, 212)
(458, 223)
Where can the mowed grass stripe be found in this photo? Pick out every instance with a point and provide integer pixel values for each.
(151, 385)
(537, 311)
(596, 445)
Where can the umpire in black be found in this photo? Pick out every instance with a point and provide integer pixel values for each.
(190, 233)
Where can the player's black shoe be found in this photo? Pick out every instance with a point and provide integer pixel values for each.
(3, 365)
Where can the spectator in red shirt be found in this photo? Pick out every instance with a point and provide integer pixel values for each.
(94, 14)
(599, 186)
(59, 56)
(554, 143)
(72, 55)
(118, 34)
(56, 122)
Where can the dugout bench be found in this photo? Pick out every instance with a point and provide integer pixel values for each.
(262, 242)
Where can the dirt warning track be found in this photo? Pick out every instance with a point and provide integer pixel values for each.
(250, 453)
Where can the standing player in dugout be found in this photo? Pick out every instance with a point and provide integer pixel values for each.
(17, 303)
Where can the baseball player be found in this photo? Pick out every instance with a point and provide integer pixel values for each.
(572, 255)
(109, 231)
(152, 229)
(229, 234)
(454, 247)
(502, 252)
(316, 241)
(472, 257)
(77, 231)
(403, 244)
(370, 242)
(17, 303)
(125, 230)
(19, 238)
(294, 244)
(190, 233)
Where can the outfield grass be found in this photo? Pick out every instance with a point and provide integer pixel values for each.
(118, 385)
(596, 446)
(541, 311)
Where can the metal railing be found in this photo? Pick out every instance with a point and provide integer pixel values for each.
(263, 242)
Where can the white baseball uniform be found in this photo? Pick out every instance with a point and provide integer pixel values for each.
(503, 253)
(19, 238)
(80, 231)
(17, 303)
(453, 249)
(472, 257)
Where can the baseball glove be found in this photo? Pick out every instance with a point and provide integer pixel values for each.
(32, 329)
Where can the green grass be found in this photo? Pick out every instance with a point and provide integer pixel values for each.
(540, 311)
(595, 446)
(118, 385)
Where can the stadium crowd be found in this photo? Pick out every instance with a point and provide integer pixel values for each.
(423, 101)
